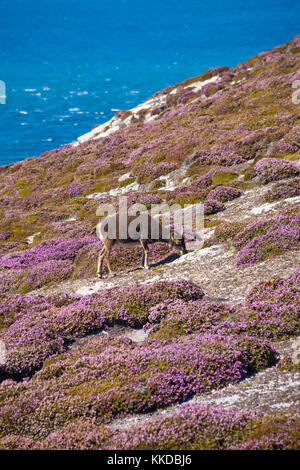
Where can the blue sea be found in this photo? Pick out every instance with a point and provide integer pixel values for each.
(71, 64)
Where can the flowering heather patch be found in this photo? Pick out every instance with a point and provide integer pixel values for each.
(267, 238)
(222, 156)
(13, 442)
(196, 427)
(146, 198)
(67, 229)
(13, 307)
(212, 206)
(42, 274)
(167, 320)
(133, 197)
(282, 147)
(270, 311)
(75, 190)
(44, 263)
(187, 96)
(182, 95)
(215, 176)
(269, 245)
(82, 434)
(211, 88)
(7, 279)
(225, 193)
(27, 354)
(293, 135)
(227, 77)
(39, 334)
(228, 230)
(193, 427)
(272, 308)
(186, 195)
(3, 235)
(46, 251)
(148, 173)
(283, 190)
(273, 169)
(25, 280)
(273, 433)
(108, 378)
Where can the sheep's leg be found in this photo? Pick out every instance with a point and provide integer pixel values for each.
(106, 255)
(143, 257)
(101, 266)
(145, 254)
(100, 262)
(146, 259)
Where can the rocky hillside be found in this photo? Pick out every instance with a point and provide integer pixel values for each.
(199, 352)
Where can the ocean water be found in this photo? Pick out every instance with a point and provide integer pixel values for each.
(71, 64)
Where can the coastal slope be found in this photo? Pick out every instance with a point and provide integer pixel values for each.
(199, 352)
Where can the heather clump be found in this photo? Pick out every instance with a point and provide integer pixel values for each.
(65, 229)
(182, 95)
(210, 89)
(29, 341)
(283, 190)
(215, 176)
(193, 427)
(126, 378)
(273, 433)
(270, 311)
(147, 173)
(42, 274)
(14, 306)
(186, 195)
(225, 193)
(167, 320)
(57, 249)
(222, 156)
(4, 235)
(15, 442)
(81, 434)
(146, 198)
(263, 239)
(196, 427)
(212, 206)
(25, 280)
(273, 169)
(272, 307)
(43, 330)
(269, 245)
(226, 231)
(282, 148)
